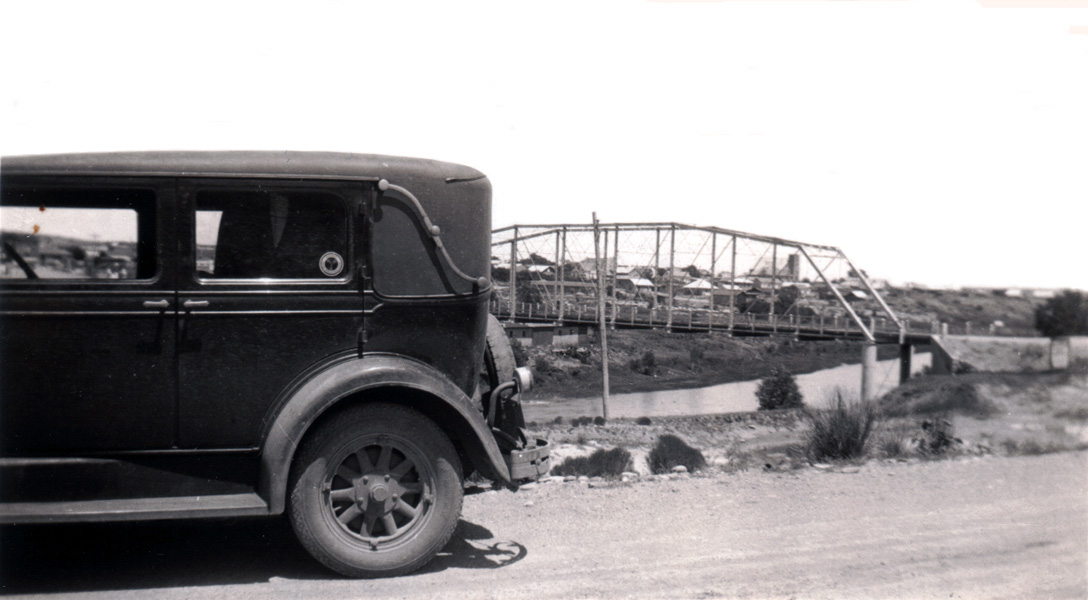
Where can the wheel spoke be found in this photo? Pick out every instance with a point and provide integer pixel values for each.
(344, 495)
(364, 460)
(369, 518)
(390, 524)
(402, 469)
(346, 473)
(383, 458)
(411, 487)
(348, 515)
(405, 509)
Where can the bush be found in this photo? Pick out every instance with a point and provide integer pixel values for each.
(671, 451)
(543, 364)
(779, 390)
(646, 364)
(842, 431)
(936, 437)
(602, 463)
(1064, 314)
(937, 397)
(598, 420)
(521, 355)
(643, 421)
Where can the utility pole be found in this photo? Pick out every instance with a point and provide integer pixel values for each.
(602, 325)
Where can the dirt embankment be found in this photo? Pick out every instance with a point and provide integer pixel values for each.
(645, 360)
(986, 414)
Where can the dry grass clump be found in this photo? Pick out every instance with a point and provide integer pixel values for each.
(842, 431)
(602, 463)
(671, 451)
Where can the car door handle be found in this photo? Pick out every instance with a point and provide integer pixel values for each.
(156, 304)
(195, 304)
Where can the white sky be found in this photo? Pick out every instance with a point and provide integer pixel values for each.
(936, 141)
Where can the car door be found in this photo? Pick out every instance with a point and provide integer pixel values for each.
(87, 303)
(269, 291)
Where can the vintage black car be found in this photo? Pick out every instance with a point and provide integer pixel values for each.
(212, 334)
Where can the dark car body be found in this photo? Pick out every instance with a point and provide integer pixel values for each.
(168, 356)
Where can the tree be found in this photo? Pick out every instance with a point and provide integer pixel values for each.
(535, 259)
(1064, 314)
(779, 390)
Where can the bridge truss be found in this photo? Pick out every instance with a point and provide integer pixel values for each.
(685, 277)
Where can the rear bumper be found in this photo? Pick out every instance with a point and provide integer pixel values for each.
(531, 463)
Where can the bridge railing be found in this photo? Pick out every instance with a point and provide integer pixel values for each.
(630, 315)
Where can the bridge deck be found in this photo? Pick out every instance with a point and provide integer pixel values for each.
(705, 320)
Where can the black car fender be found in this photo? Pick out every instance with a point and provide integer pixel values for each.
(373, 377)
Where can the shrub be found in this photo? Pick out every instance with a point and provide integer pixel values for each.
(521, 355)
(1064, 314)
(646, 364)
(937, 397)
(643, 421)
(779, 390)
(936, 437)
(671, 451)
(841, 431)
(602, 463)
(598, 420)
(543, 364)
(893, 440)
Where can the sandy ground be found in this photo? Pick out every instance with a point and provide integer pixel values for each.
(972, 527)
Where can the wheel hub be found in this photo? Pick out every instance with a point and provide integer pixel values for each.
(385, 497)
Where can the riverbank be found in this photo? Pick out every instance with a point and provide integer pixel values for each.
(987, 414)
(646, 361)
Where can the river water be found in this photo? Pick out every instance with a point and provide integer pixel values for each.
(738, 396)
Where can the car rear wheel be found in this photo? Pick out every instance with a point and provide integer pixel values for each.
(376, 491)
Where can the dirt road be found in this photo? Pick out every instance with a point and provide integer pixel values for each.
(966, 528)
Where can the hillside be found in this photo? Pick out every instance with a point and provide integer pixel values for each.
(958, 308)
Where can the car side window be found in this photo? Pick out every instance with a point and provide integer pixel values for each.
(243, 234)
(98, 234)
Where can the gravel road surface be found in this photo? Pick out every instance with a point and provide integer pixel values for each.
(966, 528)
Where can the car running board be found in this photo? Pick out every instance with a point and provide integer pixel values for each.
(134, 509)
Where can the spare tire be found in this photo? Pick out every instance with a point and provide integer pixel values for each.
(500, 354)
(498, 368)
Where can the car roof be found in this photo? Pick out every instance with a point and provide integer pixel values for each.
(310, 165)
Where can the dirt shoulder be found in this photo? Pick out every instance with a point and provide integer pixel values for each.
(646, 360)
(974, 527)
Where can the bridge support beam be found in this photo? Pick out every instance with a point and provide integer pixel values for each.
(906, 354)
(868, 372)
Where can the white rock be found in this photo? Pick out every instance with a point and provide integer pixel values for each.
(679, 469)
(629, 475)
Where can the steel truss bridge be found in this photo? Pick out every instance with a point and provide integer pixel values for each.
(687, 278)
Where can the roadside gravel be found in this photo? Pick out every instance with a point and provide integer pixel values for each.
(971, 527)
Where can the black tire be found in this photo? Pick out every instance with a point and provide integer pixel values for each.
(376, 491)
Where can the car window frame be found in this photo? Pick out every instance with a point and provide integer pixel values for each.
(189, 188)
(162, 205)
